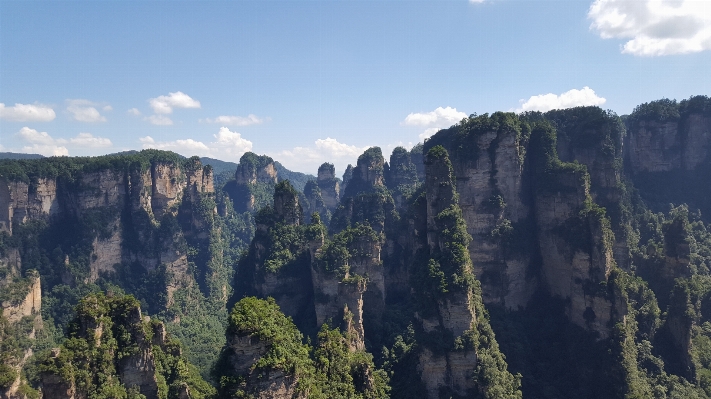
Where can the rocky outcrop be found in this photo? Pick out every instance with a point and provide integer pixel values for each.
(489, 181)
(253, 168)
(329, 186)
(29, 290)
(315, 202)
(369, 172)
(574, 237)
(22, 201)
(452, 311)
(400, 175)
(345, 291)
(347, 176)
(286, 204)
(106, 253)
(661, 146)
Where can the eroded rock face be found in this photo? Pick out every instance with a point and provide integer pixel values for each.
(661, 146)
(260, 170)
(450, 369)
(20, 201)
(576, 250)
(286, 205)
(490, 188)
(329, 186)
(167, 184)
(30, 305)
(139, 368)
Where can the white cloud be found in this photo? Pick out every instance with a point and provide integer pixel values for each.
(43, 143)
(429, 132)
(569, 99)
(308, 159)
(231, 142)
(34, 136)
(84, 111)
(228, 145)
(438, 119)
(440, 116)
(27, 113)
(187, 147)
(88, 140)
(654, 27)
(165, 104)
(229, 120)
(160, 120)
(134, 112)
(107, 108)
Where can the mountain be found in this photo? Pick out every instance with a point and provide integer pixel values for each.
(17, 155)
(545, 255)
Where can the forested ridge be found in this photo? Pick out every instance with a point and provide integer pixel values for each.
(537, 255)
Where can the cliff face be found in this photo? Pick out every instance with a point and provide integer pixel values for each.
(329, 186)
(30, 303)
(489, 173)
(255, 178)
(661, 146)
(20, 202)
(453, 312)
(20, 321)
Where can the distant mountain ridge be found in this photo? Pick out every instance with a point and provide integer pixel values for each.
(19, 155)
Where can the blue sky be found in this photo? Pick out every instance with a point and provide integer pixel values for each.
(314, 81)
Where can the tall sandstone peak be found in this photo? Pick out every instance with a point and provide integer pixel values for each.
(286, 204)
(253, 168)
(329, 185)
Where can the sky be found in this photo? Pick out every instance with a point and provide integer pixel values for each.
(307, 82)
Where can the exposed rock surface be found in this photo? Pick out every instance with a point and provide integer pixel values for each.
(677, 144)
(21, 201)
(31, 304)
(491, 192)
(329, 185)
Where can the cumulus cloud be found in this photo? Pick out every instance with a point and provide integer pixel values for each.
(569, 99)
(438, 119)
(654, 27)
(160, 120)
(229, 120)
(27, 113)
(134, 112)
(89, 141)
(228, 145)
(308, 159)
(84, 111)
(107, 108)
(429, 132)
(34, 136)
(165, 104)
(231, 142)
(440, 116)
(42, 143)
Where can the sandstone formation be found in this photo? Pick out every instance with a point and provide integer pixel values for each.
(329, 185)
